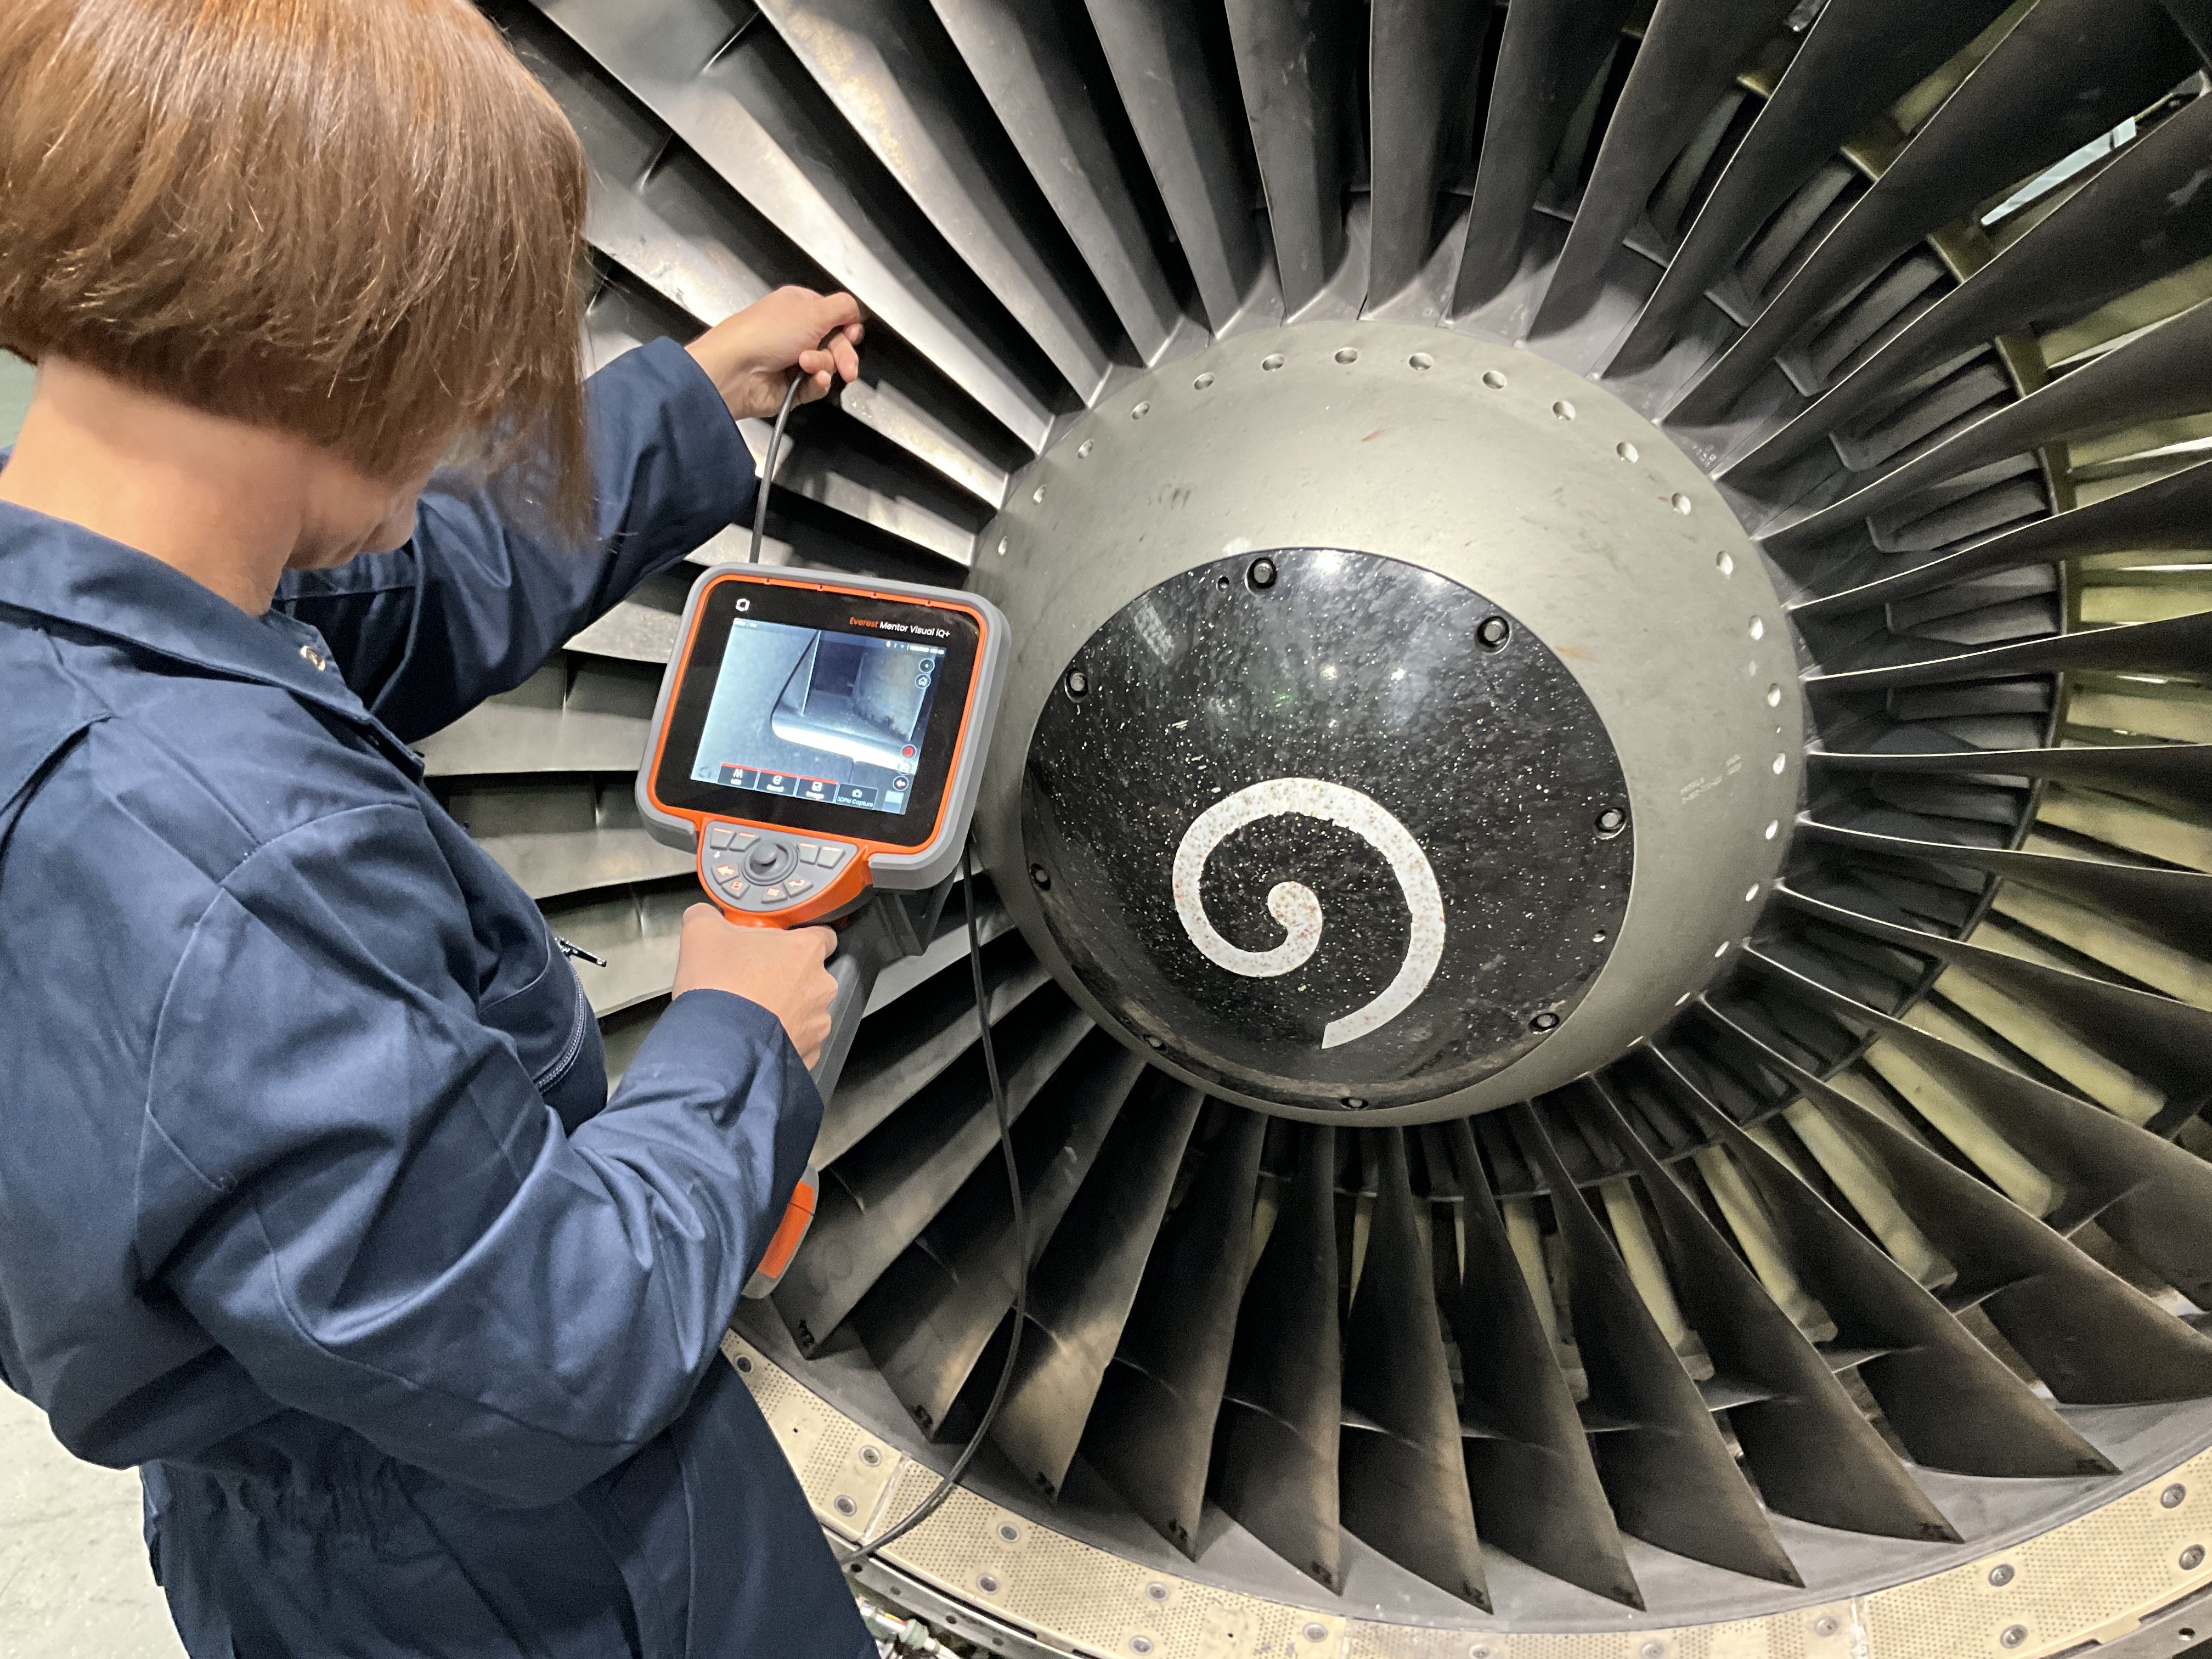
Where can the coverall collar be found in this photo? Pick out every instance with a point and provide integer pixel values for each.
(53, 568)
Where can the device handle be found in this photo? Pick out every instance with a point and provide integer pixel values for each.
(854, 968)
(856, 980)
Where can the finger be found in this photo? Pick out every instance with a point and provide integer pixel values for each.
(699, 914)
(826, 938)
(835, 311)
(844, 357)
(815, 361)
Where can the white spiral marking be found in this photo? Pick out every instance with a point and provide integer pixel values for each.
(1294, 904)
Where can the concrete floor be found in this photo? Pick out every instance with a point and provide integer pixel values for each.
(73, 1582)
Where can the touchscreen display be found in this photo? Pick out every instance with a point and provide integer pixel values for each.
(818, 714)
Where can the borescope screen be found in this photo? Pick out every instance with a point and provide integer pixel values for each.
(813, 714)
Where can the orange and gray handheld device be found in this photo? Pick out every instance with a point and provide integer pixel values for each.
(819, 740)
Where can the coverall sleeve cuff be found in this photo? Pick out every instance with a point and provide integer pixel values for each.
(715, 460)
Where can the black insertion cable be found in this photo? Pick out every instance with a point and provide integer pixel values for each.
(931, 1504)
(935, 1501)
(767, 463)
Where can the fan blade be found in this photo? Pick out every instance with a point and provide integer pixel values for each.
(1536, 1489)
(2154, 376)
(927, 1322)
(1691, 50)
(1288, 54)
(1082, 1288)
(1424, 57)
(2167, 513)
(1275, 1466)
(1404, 1481)
(739, 116)
(2177, 645)
(1951, 1402)
(1666, 1468)
(2165, 1040)
(2177, 775)
(2142, 1188)
(2093, 1338)
(1860, 56)
(2174, 906)
(1158, 62)
(1150, 1433)
(1550, 52)
(2141, 218)
(877, 1199)
(1019, 59)
(1813, 1454)
(903, 1048)
(2068, 73)
(874, 60)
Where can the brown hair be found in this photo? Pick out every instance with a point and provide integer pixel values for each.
(357, 220)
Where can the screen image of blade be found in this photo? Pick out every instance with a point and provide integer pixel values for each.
(817, 714)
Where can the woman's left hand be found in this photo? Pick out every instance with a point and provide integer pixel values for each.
(794, 331)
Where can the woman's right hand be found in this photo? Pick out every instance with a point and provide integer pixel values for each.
(781, 970)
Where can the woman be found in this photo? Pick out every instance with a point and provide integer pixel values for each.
(312, 1199)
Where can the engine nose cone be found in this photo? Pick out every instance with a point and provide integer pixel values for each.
(1327, 828)
(1251, 852)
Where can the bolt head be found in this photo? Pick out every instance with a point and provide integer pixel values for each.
(1494, 632)
(1009, 1531)
(1546, 1021)
(1140, 1645)
(744, 1365)
(1653, 1650)
(1262, 573)
(1355, 1103)
(986, 1583)
(2014, 1635)
(1316, 1632)
(1611, 821)
(1041, 877)
(1158, 1592)
(2171, 1497)
(1076, 683)
(870, 1456)
(2001, 1575)
(2193, 1558)
(1824, 1626)
(843, 1504)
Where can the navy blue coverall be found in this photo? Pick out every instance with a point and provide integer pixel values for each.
(313, 1201)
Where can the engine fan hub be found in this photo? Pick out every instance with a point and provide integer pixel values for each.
(1400, 723)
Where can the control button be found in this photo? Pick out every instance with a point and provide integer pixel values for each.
(772, 861)
(808, 852)
(797, 885)
(771, 894)
(830, 855)
(743, 839)
(901, 783)
(734, 890)
(718, 837)
(726, 872)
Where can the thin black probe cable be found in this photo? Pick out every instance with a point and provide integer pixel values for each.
(931, 1504)
(935, 1501)
(767, 463)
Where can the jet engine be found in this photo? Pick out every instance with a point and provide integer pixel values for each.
(1597, 863)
